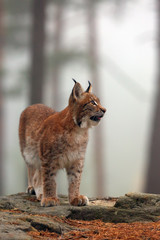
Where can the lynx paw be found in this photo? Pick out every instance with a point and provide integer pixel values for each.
(31, 191)
(39, 197)
(50, 201)
(80, 201)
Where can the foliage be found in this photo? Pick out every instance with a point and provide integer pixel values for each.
(64, 57)
(15, 7)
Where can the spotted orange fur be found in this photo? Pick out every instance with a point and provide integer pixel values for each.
(51, 140)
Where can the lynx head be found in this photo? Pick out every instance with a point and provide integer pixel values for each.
(86, 107)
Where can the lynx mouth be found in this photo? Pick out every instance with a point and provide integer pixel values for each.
(96, 118)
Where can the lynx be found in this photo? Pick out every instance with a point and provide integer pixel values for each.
(51, 140)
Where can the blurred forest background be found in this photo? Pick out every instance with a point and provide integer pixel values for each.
(113, 43)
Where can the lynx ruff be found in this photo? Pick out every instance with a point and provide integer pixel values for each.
(51, 140)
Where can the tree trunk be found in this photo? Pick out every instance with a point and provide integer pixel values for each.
(1, 106)
(92, 41)
(153, 178)
(57, 51)
(38, 39)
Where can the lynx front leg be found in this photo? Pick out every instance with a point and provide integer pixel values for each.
(49, 186)
(74, 177)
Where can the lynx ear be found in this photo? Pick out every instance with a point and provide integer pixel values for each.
(89, 87)
(76, 91)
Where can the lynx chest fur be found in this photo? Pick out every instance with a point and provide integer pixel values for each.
(52, 140)
(65, 145)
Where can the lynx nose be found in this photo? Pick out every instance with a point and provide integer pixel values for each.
(103, 110)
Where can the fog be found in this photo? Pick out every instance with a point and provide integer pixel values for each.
(127, 69)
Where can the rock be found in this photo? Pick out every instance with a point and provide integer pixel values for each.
(21, 214)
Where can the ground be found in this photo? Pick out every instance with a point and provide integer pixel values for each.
(134, 216)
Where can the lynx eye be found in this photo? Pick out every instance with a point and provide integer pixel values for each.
(94, 102)
(91, 102)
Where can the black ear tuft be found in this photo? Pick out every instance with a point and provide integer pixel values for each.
(74, 80)
(89, 87)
